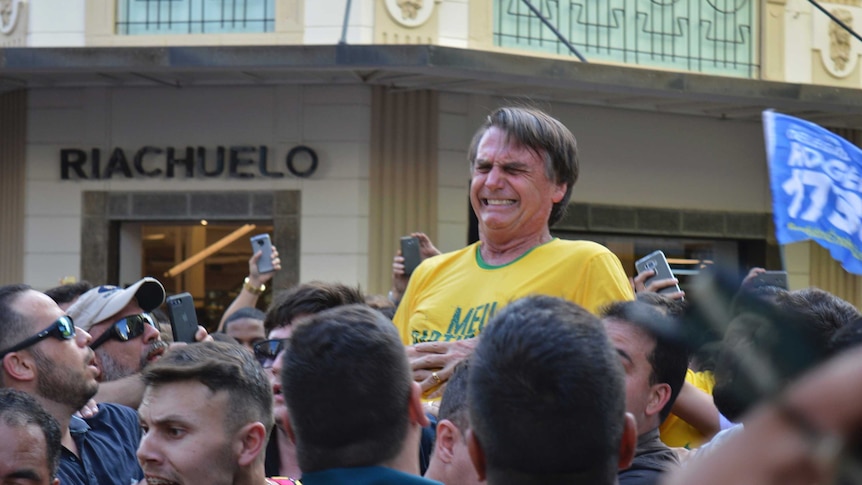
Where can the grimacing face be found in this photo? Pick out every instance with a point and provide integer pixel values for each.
(184, 440)
(510, 191)
(634, 346)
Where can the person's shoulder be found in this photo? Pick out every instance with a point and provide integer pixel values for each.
(638, 476)
(585, 248)
(114, 413)
(452, 257)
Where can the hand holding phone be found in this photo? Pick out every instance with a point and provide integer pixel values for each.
(410, 253)
(770, 278)
(184, 319)
(656, 261)
(262, 242)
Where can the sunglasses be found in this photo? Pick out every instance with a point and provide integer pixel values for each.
(62, 329)
(126, 329)
(267, 350)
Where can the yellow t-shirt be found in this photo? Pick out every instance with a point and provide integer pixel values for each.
(677, 433)
(452, 296)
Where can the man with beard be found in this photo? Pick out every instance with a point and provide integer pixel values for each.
(43, 354)
(125, 336)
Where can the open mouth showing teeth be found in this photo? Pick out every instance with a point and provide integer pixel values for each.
(498, 201)
(159, 481)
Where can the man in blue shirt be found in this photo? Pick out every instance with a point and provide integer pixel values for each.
(352, 406)
(43, 354)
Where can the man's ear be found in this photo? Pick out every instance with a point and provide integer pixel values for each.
(447, 437)
(19, 366)
(251, 443)
(415, 408)
(477, 454)
(559, 192)
(658, 398)
(628, 442)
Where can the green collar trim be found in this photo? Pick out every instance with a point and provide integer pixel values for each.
(482, 264)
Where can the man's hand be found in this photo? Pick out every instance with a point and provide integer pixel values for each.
(255, 277)
(399, 279)
(748, 282)
(202, 335)
(430, 359)
(657, 285)
(89, 410)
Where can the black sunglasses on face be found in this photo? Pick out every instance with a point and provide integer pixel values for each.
(267, 350)
(62, 329)
(126, 329)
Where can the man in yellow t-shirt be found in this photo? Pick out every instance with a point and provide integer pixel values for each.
(523, 166)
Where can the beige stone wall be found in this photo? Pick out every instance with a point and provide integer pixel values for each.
(100, 21)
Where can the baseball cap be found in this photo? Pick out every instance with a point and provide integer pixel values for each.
(105, 301)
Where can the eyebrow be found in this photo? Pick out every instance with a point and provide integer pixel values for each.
(624, 355)
(26, 474)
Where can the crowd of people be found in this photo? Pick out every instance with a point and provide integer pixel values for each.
(522, 359)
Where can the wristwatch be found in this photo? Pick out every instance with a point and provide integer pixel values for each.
(257, 290)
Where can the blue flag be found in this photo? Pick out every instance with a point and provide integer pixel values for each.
(816, 180)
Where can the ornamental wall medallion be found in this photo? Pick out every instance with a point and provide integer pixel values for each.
(410, 13)
(839, 52)
(10, 11)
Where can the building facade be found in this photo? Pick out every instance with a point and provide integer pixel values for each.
(137, 134)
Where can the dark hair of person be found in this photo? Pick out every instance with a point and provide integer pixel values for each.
(347, 384)
(847, 337)
(219, 366)
(68, 293)
(19, 409)
(549, 139)
(546, 394)
(245, 312)
(453, 405)
(668, 306)
(773, 343)
(825, 312)
(307, 299)
(669, 361)
(13, 325)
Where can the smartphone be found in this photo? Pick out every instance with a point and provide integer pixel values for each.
(261, 242)
(657, 262)
(410, 251)
(184, 320)
(771, 278)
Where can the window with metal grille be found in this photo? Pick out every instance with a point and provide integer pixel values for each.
(708, 36)
(146, 17)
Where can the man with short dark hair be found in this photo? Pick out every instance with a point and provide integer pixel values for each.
(245, 326)
(43, 354)
(29, 440)
(352, 407)
(286, 309)
(450, 462)
(206, 414)
(66, 295)
(547, 398)
(654, 374)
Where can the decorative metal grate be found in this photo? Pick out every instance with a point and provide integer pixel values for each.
(709, 36)
(143, 17)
